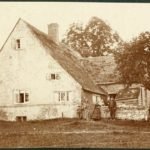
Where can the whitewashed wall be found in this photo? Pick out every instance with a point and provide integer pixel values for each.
(26, 69)
(38, 112)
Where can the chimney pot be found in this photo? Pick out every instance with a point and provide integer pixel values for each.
(53, 32)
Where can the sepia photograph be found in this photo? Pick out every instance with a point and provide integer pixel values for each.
(74, 75)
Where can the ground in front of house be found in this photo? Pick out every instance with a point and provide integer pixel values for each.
(75, 133)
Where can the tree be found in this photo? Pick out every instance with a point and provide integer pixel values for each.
(95, 39)
(134, 61)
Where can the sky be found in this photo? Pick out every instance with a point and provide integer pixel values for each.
(128, 19)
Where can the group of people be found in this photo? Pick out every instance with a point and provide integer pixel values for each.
(84, 110)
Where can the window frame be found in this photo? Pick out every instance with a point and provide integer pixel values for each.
(53, 76)
(18, 43)
(18, 99)
(21, 118)
(65, 98)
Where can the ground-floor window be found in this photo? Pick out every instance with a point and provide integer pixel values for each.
(62, 95)
(21, 96)
(21, 118)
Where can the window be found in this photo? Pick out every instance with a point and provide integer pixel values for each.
(18, 43)
(18, 118)
(67, 95)
(26, 97)
(62, 95)
(53, 76)
(21, 96)
(98, 100)
(21, 118)
(18, 46)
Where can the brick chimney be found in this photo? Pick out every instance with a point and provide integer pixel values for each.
(53, 32)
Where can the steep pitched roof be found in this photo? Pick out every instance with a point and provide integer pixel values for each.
(102, 69)
(67, 60)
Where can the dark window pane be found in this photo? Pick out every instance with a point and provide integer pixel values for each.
(59, 96)
(18, 118)
(68, 96)
(24, 118)
(18, 43)
(63, 96)
(21, 98)
(53, 76)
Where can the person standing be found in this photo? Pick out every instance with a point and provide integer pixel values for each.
(87, 113)
(96, 112)
(79, 112)
(112, 107)
(85, 109)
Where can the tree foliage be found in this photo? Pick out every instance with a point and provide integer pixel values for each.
(93, 39)
(134, 61)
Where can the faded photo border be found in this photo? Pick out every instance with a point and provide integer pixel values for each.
(75, 1)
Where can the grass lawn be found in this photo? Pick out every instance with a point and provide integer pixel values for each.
(75, 133)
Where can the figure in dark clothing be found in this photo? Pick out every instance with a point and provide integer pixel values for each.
(96, 112)
(112, 108)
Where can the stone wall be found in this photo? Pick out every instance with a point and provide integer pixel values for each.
(127, 113)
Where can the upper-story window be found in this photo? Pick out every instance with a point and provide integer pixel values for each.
(53, 76)
(18, 44)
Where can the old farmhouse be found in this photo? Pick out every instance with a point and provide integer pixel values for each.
(40, 78)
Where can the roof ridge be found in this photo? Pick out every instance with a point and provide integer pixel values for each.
(34, 28)
(89, 76)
